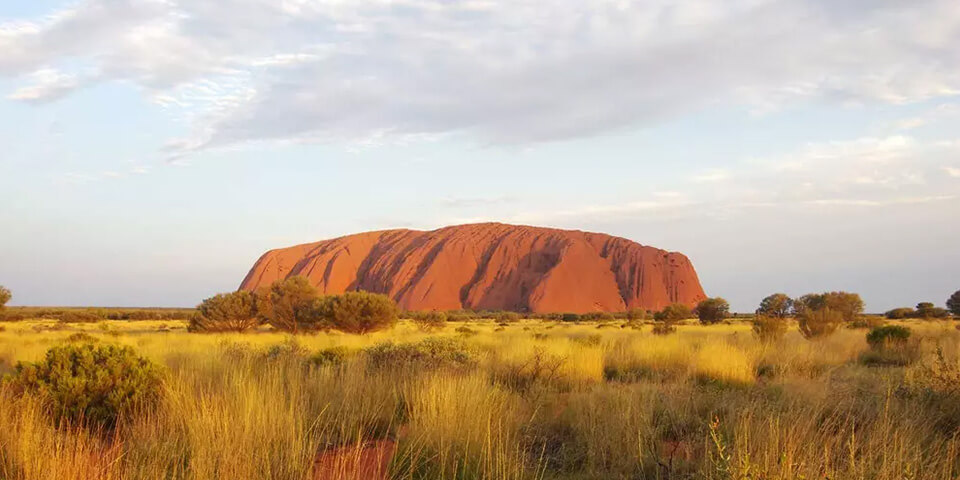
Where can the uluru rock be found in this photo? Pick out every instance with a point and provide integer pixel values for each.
(490, 266)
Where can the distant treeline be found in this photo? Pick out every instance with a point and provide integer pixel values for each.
(83, 314)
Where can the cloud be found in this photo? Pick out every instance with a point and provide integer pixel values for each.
(47, 84)
(829, 178)
(507, 72)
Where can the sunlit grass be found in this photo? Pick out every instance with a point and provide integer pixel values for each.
(543, 400)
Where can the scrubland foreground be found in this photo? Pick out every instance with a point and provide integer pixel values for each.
(480, 400)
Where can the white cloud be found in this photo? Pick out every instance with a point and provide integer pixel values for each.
(829, 178)
(46, 84)
(500, 71)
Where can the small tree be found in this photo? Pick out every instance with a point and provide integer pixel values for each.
(769, 328)
(288, 305)
(5, 296)
(848, 305)
(356, 312)
(777, 305)
(233, 312)
(819, 323)
(953, 303)
(713, 310)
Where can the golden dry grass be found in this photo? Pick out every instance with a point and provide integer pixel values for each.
(542, 400)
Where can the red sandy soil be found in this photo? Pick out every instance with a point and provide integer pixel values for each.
(490, 266)
(366, 461)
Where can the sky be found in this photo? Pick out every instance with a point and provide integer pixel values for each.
(152, 150)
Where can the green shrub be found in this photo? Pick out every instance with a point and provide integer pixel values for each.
(91, 384)
(664, 328)
(673, 312)
(427, 353)
(333, 356)
(226, 312)
(890, 335)
(819, 323)
(636, 314)
(712, 310)
(355, 312)
(769, 328)
(465, 330)
(900, 313)
(570, 317)
(289, 349)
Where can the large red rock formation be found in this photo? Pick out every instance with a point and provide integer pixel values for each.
(490, 266)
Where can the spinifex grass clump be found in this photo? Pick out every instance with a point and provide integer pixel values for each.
(90, 384)
(890, 345)
(889, 336)
(427, 353)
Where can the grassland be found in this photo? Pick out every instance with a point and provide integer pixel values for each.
(528, 400)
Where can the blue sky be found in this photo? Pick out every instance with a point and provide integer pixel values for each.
(153, 149)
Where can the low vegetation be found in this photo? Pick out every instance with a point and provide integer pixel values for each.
(540, 399)
(86, 384)
(769, 397)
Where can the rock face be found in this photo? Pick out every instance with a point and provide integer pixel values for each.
(490, 266)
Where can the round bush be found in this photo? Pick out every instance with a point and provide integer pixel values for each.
(889, 335)
(357, 312)
(92, 384)
(233, 312)
(900, 313)
(713, 310)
